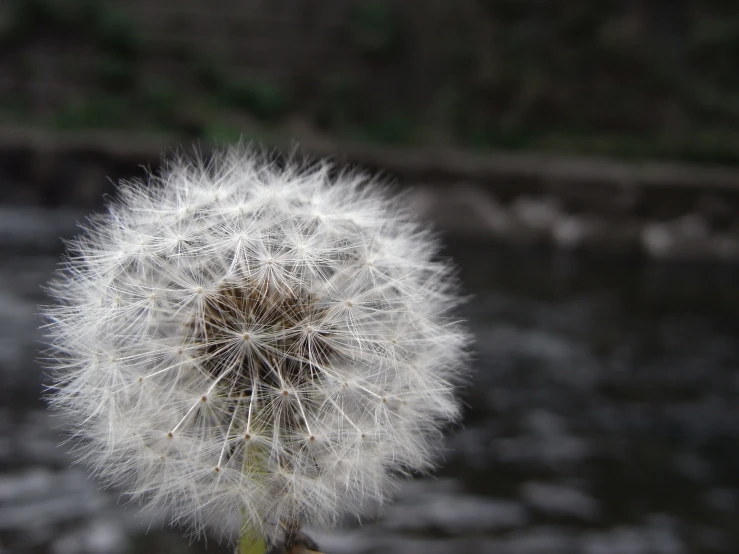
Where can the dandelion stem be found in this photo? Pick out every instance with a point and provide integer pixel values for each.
(251, 543)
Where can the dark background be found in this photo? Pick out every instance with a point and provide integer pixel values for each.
(579, 158)
(633, 78)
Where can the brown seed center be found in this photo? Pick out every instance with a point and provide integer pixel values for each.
(235, 315)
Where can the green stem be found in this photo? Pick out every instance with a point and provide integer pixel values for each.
(251, 543)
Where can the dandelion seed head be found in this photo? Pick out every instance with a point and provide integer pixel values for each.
(250, 344)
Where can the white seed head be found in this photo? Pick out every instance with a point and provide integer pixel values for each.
(253, 344)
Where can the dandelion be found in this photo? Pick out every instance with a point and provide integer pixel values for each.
(255, 346)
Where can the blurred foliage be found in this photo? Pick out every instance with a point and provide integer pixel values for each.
(115, 74)
(160, 101)
(265, 100)
(336, 105)
(115, 32)
(97, 113)
(389, 129)
(26, 17)
(627, 78)
(375, 29)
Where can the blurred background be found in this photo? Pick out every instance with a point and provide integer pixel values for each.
(581, 160)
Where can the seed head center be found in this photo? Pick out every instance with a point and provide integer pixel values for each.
(234, 314)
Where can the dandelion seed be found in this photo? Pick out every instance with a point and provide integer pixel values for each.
(288, 333)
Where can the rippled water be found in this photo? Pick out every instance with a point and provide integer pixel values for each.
(602, 417)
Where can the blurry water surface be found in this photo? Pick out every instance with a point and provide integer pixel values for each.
(602, 416)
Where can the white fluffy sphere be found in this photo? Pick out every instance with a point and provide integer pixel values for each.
(254, 345)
